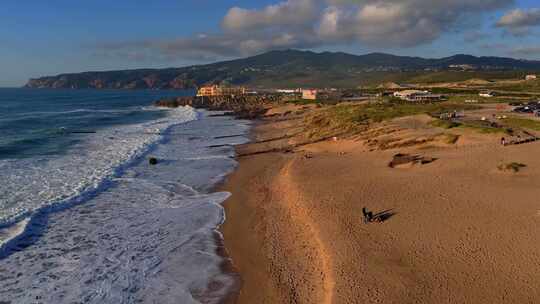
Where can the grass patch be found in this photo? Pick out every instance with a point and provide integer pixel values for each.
(513, 166)
(523, 123)
(350, 118)
(524, 86)
(484, 127)
(445, 124)
(478, 126)
(455, 76)
(303, 101)
(479, 99)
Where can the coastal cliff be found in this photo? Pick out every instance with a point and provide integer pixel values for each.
(242, 107)
(134, 79)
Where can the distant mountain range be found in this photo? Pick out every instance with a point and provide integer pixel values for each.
(294, 68)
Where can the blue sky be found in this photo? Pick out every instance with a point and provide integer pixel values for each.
(56, 36)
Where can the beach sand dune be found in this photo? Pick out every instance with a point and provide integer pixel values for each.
(458, 229)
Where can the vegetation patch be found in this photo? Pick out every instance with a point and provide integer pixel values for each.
(350, 118)
(484, 127)
(457, 76)
(445, 124)
(513, 166)
(477, 99)
(303, 101)
(471, 92)
(524, 86)
(524, 123)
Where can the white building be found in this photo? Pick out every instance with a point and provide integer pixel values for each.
(288, 91)
(310, 94)
(417, 95)
(487, 94)
(530, 77)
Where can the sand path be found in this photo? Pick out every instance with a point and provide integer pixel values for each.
(294, 201)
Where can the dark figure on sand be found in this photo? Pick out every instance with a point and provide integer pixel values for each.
(368, 215)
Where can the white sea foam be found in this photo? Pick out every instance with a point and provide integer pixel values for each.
(149, 237)
(29, 185)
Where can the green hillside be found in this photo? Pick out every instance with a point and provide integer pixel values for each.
(293, 68)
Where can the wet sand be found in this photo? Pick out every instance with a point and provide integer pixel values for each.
(458, 230)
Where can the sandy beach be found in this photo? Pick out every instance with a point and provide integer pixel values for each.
(456, 230)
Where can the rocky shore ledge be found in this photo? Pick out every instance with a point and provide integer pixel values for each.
(242, 107)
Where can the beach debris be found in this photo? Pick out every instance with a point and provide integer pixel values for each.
(152, 161)
(403, 160)
(513, 166)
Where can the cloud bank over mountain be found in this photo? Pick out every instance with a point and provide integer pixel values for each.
(305, 24)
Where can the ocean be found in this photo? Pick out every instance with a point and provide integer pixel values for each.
(84, 218)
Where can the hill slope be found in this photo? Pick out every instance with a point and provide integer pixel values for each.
(291, 68)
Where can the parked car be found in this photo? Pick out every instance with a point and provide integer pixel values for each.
(525, 109)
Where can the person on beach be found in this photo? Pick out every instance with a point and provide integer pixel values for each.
(503, 141)
(368, 215)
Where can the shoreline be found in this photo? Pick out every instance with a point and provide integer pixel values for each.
(252, 253)
(153, 230)
(250, 264)
(294, 227)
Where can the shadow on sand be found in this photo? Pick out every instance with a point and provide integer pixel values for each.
(383, 216)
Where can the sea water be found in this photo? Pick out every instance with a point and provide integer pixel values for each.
(84, 218)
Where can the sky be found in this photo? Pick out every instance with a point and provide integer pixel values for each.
(39, 38)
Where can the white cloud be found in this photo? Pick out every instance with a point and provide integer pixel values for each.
(315, 23)
(329, 23)
(288, 13)
(518, 22)
(520, 18)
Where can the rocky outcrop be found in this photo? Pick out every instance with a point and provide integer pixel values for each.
(242, 107)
